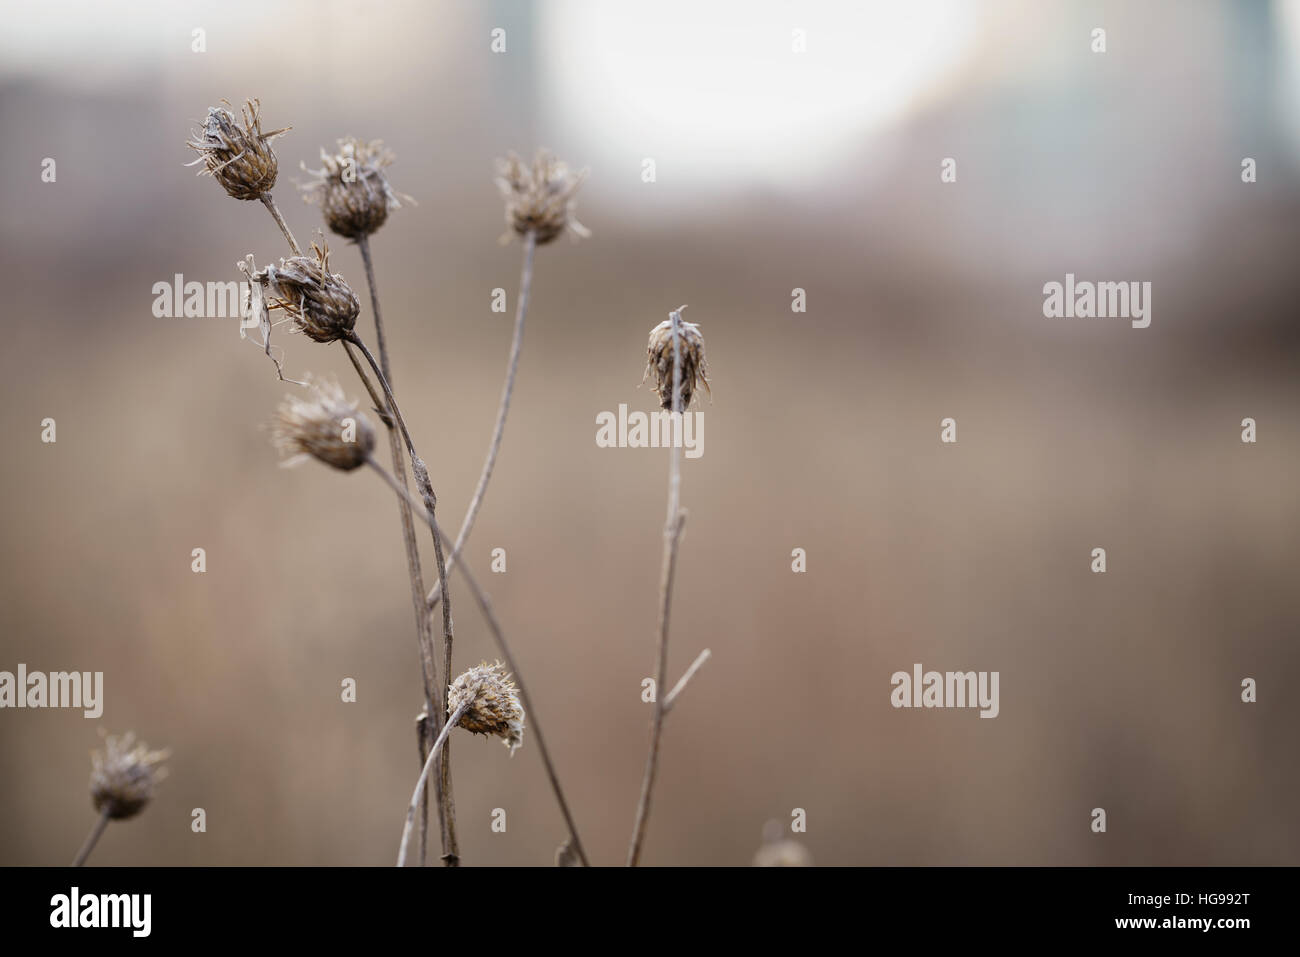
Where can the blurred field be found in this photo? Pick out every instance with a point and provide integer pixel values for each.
(1118, 690)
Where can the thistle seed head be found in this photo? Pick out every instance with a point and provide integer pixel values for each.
(690, 349)
(123, 776)
(351, 188)
(322, 305)
(325, 426)
(494, 703)
(240, 158)
(539, 198)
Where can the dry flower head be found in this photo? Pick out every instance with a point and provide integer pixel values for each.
(123, 776)
(324, 426)
(321, 304)
(690, 348)
(539, 198)
(351, 187)
(238, 157)
(494, 703)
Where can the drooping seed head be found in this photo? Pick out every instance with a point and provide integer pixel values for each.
(325, 426)
(690, 349)
(238, 156)
(321, 304)
(539, 198)
(123, 776)
(351, 187)
(494, 706)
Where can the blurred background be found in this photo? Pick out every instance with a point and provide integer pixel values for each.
(774, 170)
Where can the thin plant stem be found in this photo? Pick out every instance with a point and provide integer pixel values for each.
(91, 840)
(499, 636)
(422, 724)
(672, 536)
(363, 244)
(421, 473)
(393, 409)
(423, 632)
(380, 405)
(274, 210)
(424, 637)
(678, 688)
(434, 751)
(516, 348)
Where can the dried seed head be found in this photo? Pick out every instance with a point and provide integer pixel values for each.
(539, 198)
(494, 703)
(351, 188)
(239, 158)
(123, 776)
(690, 348)
(321, 304)
(325, 426)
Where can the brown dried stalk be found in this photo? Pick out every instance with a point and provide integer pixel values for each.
(434, 751)
(434, 704)
(274, 210)
(96, 832)
(499, 636)
(424, 636)
(684, 680)
(516, 348)
(122, 781)
(672, 536)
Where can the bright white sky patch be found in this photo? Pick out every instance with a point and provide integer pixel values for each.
(712, 90)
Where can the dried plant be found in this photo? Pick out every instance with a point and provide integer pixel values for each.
(539, 198)
(493, 704)
(238, 157)
(351, 187)
(684, 352)
(525, 192)
(498, 635)
(355, 197)
(122, 781)
(659, 361)
(352, 190)
(326, 427)
(320, 304)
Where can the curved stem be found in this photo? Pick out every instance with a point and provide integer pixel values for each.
(363, 243)
(91, 840)
(516, 348)
(421, 473)
(393, 409)
(424, 775)
(672, 536)
(499, 636)
(424, 637)
(423, 632)
(274, 210)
